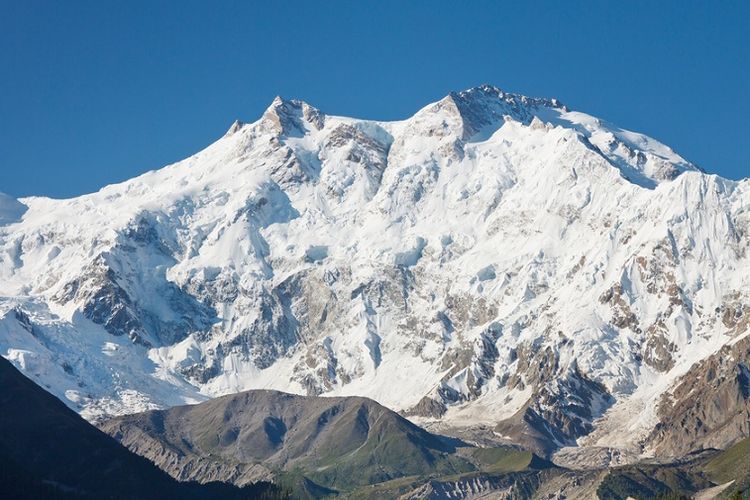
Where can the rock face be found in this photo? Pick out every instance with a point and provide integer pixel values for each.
(557, 414)
(709, 407)
(493, 260)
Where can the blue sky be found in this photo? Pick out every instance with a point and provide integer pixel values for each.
(96, 92)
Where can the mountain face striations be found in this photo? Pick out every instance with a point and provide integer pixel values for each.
(494, 261)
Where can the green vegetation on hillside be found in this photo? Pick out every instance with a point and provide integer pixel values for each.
(732, 464)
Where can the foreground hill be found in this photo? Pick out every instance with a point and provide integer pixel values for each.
(327, 444)
(353, 447)
(47, 451)
(710, 474)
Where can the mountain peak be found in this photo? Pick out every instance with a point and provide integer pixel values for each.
(236, 125)
(292, 116)
(487, 92)
(489, 234)
(482, 109)
(475, 114)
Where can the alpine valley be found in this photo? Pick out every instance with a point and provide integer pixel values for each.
(532, 281)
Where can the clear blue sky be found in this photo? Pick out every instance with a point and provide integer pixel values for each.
(96, 92)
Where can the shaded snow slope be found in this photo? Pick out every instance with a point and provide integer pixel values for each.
(11, 210)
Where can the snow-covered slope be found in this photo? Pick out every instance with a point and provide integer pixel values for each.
(494, 259)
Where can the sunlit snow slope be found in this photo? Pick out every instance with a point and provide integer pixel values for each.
(494, 259)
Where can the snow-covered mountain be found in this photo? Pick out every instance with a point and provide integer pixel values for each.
(494, 260)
